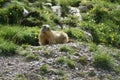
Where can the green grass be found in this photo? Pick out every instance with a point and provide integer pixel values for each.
(77, 34)
(103, 60)
(19, 35)
(60, 60)
(82, 60)
(67, 49)
(31, 57)
(92, 47)
(60, 72)
(7, 48)
(44, 69)
(70, 63)
(20, 77)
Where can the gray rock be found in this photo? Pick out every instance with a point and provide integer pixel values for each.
(83, 8)
(88, 35)
(75, 12)
(25, 12)
(47, 4)
(57, 10)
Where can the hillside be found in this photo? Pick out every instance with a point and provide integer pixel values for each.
(94, 25)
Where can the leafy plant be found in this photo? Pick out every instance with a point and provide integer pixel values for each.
(77, 34)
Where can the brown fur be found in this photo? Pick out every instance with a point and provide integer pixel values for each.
(47, 36)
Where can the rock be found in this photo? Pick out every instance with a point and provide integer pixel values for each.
(57, 10)
(75, 12)
(118, 7)
(47, 4)
(25, 12)
(83, 8)
(88, 35)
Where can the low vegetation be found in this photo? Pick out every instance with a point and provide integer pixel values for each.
(44, 69)
(70, 63)
(101, 19)
(20, 77)
(67, 49)
(103, 60)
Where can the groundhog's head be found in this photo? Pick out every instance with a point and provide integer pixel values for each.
(45, 28)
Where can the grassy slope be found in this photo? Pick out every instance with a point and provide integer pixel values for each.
(101, 20)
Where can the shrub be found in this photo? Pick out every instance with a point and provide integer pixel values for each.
(12, 14)
(77, 34)
(71, 20)
(103, 61)
(68, 2)
(34, 18)
(2, 2)
(3, 16)
(30, 21)
(92, 47)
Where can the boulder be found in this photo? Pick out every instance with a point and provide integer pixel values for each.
(57, 10)
(75, 12)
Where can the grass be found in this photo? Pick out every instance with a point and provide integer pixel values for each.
(32, 57)
(20, 77)
(101, 20)
(67, 49)
(92, 47)
(82, 60)
(69, 62)
(60, 60)
(60, 72)
(7, 48)
(103, 60)
(44, 69)
(19, 35)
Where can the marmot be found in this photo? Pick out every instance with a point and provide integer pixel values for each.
(48, 36)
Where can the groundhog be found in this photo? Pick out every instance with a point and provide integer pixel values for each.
(48, 36)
